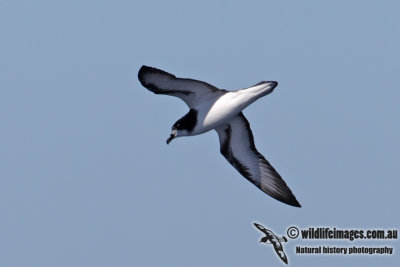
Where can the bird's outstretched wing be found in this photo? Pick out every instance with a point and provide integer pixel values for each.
(237, 146)
(161, 82)
(282, 255)
(261, 228)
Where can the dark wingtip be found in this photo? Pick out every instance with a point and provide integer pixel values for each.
(288, 198)
(296, 204)
(293, 202)
(142, 72)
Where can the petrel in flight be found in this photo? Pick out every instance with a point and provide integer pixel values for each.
(221, 110)
(274, 240)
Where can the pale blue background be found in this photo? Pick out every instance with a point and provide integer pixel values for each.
(86, 176)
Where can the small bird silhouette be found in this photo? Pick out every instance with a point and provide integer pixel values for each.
(274, 240)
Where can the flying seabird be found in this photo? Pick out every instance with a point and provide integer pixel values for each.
(274, 240)
(221, 110)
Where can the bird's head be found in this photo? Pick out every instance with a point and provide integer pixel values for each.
(176, 131)
(264, 239)
(184, 126)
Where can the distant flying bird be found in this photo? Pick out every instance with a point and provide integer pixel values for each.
(221, 110)
(274, 240)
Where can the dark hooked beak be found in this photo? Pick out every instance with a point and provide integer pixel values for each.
(171, 137)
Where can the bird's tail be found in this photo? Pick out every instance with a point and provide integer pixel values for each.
(264, 87)
(251, 94)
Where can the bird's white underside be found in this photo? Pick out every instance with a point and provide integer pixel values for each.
(220, 110)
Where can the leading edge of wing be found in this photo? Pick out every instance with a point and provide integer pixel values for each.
(162, 82)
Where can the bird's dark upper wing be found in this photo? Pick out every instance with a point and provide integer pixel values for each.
(237, 146)
(161, 82)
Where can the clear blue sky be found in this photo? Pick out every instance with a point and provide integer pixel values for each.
(86, 176)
